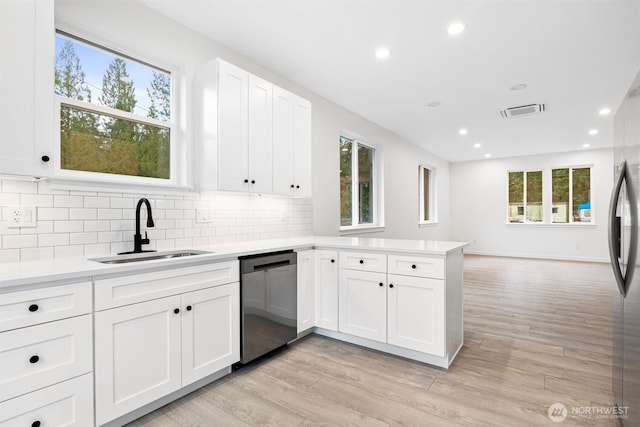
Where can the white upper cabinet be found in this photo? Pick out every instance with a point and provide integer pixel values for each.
(291, 144)
(260, 170)
(26, 87)
(253, 136)
(233, 127)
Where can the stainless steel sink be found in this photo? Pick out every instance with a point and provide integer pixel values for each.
(148, 256)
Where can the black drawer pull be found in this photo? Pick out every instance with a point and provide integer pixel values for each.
(381, 284)
(176, 311)
(33, 308)
(35, 424)
(333, 260)
(413, 266)
(361, 261)
(189, 308)
(391, 285)
(34, 359)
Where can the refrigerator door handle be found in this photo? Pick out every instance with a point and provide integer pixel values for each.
(614, 231)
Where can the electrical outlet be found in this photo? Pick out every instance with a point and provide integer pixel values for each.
(21, 216)
(204, 215)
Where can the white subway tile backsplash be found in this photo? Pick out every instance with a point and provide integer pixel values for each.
(92, 224)
(55, 214)
(20, 241)
(67, 226)
(60, 201)
(86, 238)
(55, 239)
(35, 254)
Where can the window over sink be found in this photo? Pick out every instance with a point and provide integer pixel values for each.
(115, 114)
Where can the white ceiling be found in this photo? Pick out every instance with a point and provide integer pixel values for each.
(576, 56)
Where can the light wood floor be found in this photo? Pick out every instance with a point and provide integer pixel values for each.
(537, 332)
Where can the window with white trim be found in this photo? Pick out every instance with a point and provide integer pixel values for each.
(571, 195)
(358, 192)
(115, 113)
(427, 184)
(525, 197)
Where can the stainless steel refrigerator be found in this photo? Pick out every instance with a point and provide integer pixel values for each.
(623, 247)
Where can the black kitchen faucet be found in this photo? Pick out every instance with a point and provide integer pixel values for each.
(138, 241)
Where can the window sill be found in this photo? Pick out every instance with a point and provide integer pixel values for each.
(76, 184)
(552, 225)
(361, 229)
(427, 224)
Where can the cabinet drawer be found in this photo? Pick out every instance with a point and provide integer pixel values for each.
(69, 404)
(30, 307)
(124, 290)
(410, 265)
(38, 356)
(364, 261)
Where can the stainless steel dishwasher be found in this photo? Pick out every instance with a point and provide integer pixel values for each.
(268, 294)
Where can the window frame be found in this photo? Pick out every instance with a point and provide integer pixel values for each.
(524, 196)
(591, 194)
(433, 195)
(547, 197)
(72, 177)
(376, 191)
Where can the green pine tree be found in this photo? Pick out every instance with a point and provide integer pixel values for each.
(118, 93)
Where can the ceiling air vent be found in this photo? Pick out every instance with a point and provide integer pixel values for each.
(523, 110)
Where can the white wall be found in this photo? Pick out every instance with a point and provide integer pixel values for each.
(145, 32)
(479, 201)
(84, 222)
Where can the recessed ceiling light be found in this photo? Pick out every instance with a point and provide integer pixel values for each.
(604, 111)
(456, 28)
(477, 145)
(462, 131)
(593, 132)
(434, 104)
(487, 155)
(520, 86)
(382, 52)
(586, 145)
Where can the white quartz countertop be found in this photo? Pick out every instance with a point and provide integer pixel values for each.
(18, 274)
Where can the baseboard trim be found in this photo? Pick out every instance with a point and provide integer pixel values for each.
(537, 256)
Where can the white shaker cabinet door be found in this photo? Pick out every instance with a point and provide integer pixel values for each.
(302, 147)
(306, 305)
(210, 331)
(137, 356)
(326, 289)
(260, 135)
(363, 304)
(416, 313)
(233, 136)
(283, 142)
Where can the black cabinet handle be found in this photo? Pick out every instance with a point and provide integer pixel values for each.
(246, 180)
(381, 284)
(253, 181)
(361, 261)
(292, 185)
(35, 424)
(413, 266)
(297, 186)
(45, 158)
(34, 359)
(33, 308)
(176, 311)
(189, 308)
(333, 260)
(391, 285)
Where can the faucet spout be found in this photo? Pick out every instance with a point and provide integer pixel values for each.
(138, 241)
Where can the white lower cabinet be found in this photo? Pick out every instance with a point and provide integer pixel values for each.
(416, 313)
(326, 289)
(69, 404)
(147, 350)
(305, 295)
(363, 304)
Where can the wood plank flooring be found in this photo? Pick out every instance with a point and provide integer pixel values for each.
(537, 332)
